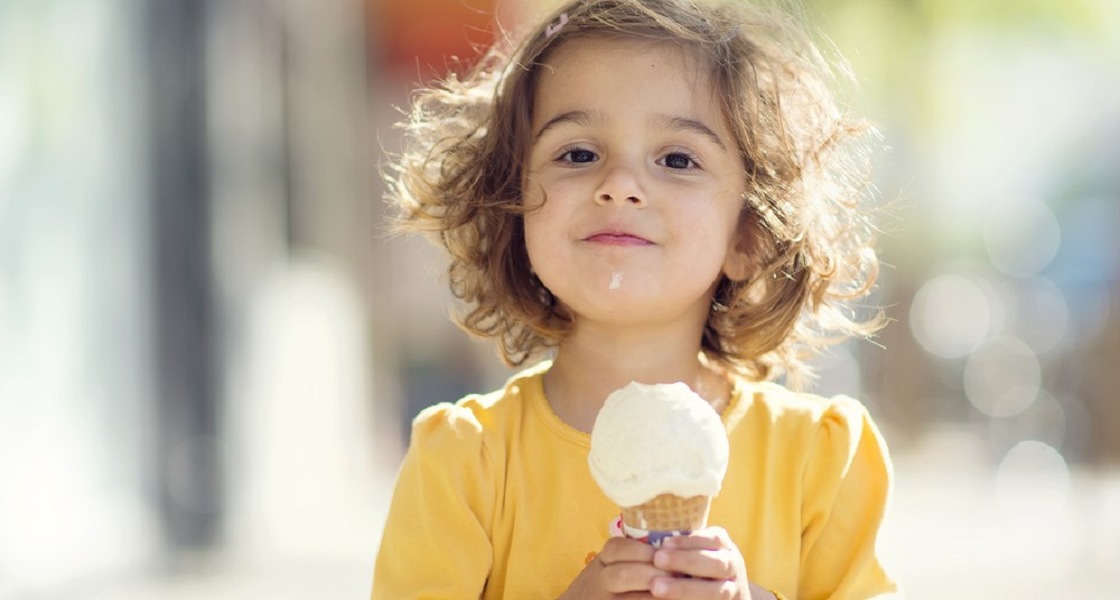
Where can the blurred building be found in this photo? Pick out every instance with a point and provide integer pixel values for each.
(188, 235)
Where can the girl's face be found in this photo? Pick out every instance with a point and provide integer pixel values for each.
(643, 182)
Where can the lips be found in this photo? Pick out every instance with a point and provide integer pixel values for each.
(617, 238)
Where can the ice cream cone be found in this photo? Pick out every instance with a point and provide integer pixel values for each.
(660, 452)
(668, 513)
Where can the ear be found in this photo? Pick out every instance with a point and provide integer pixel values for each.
(744, 253)
(738, 266)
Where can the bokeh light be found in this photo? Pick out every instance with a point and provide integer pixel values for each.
(1044, 421)
(1096, 243)
(1090, 303)
(1021, 236)
(1088, 264)
(1002, 376)
(952, 315)
(1033, 477)
(1037, 312)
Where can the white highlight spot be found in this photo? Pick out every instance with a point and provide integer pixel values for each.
(616, 281)
(952, 315)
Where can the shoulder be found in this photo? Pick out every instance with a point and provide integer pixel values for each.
(838, 426)
(841, 440)
(476, 418)
(787, 407)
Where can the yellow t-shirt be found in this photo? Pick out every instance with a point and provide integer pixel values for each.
(495, 499)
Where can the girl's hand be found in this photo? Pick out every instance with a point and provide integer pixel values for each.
(624, 569)
(713, 563)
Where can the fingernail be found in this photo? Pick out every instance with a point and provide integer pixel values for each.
(669, 542)
(661, 559)
(660, 587)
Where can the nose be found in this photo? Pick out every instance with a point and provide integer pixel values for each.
(622, 187)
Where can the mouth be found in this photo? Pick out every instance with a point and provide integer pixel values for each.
(617, 238)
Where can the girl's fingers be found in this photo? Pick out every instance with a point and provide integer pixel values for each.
(626, 567)
(709, 538)
(626, 550)
(693, 589)
(620, 578)
(709, 564)
(707, 553)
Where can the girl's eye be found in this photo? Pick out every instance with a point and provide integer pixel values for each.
(577, 155)
(679, 160)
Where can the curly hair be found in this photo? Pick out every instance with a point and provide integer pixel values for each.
(460, 180)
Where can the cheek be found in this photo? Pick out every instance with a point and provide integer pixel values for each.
(537, 238)
(549, 211)
(544, 244)
(531, 192)
(535, 191)
(533, 201)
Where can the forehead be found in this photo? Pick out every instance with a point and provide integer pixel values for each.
(628, 76)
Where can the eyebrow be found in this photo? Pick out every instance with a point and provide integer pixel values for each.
(589, 118)
(575, 117)
(686, 124)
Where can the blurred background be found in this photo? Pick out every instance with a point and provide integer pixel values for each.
(210, 349)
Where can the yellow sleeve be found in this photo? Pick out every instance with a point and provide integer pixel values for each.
(436, 540)
(847, 482)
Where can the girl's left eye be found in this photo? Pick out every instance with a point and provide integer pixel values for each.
(578, 156)
(681, 161)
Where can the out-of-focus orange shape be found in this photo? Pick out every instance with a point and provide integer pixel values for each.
(425, 34)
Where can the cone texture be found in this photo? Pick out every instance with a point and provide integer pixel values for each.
(669, 513)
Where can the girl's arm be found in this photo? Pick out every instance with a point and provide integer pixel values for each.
(847, 482)
(436, 541)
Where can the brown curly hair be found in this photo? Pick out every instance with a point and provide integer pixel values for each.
(460, 180)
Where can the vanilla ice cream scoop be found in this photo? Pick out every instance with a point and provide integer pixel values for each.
(650, 440)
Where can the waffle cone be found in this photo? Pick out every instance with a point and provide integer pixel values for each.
(669, 513)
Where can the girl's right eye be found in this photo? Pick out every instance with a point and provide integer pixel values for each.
(578, 156)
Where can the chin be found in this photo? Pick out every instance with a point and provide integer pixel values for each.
(633, 305)
(627, 311)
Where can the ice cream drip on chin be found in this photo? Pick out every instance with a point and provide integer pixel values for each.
(616, 280)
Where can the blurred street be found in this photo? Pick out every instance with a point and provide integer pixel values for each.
(957, 529)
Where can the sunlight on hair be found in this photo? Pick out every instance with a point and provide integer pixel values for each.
(1002, 377)
(951, 316)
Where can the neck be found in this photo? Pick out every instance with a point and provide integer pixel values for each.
(593, 362)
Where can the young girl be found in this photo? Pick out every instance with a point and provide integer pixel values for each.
(652, 191)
